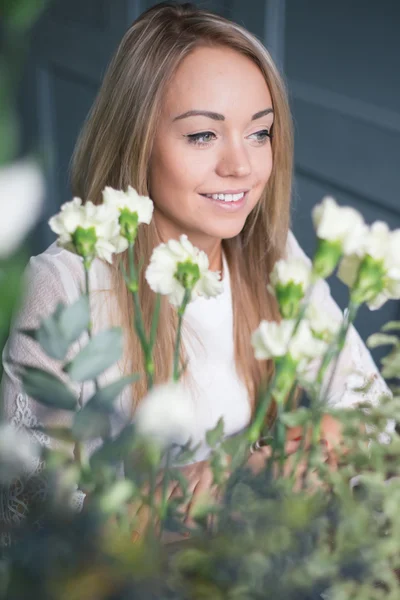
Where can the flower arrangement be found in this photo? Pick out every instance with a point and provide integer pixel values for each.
(297, 528)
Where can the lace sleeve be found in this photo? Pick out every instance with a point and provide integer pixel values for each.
(357, 378)
(47, 283)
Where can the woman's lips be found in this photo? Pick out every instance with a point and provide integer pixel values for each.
(229, 206)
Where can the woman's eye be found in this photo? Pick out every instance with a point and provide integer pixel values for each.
(203, 138)
(262, 136)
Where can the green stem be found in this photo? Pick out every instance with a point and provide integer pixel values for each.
(255, 428)
(86, 264)
(333, 351)
(350, 318)
(181, 312)
(164, 499)
(138, 317)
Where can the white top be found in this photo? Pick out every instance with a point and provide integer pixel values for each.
(57, 275)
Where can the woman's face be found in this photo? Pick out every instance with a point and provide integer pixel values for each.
(211, 139)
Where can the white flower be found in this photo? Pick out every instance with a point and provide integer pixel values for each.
(18, 452)
(102, 218)
(273, 340)
(141, 205)
(21, 197)
(161, 274)
(383, 246)
(323, 325)
(166, 415)
(335, 223)
(294, 270)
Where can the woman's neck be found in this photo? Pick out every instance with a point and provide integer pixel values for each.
(211, 246)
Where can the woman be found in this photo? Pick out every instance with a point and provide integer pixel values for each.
(193, 113)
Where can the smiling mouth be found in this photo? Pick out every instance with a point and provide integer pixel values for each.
(234, 197)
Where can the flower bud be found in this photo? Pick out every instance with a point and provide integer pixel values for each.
(326, 257)
(84, 241)
(188, 274)
(370, 280)
(289, 297)
(129, 222)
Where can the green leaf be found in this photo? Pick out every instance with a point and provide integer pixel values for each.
(113, 451)
(391, 365)
(381, 339)
(74, 319)
(186, 453)
(20, 16)
(105, 396)
(99, 354)
(47, 389)
(213, 436)
(11, 270)
(391, 325)
(90, 423)
(298, 417)
(49, 336)
(56, 333)
(93, 420)
(179, 476)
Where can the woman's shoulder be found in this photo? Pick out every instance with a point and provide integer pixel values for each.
(60, 267)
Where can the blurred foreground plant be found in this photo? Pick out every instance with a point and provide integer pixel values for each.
(301, 526)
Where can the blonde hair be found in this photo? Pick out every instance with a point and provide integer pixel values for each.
(114, 149)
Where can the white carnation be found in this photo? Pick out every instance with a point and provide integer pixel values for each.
(336, 223)
(382, 245)
(18, 453)
(290, 270)
(273, 340)
(166, 415)
(103, 218)
(322, 324)
(141, 205)
(160, 274)
(21, 196)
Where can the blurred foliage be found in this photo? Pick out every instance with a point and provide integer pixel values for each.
(17, 19)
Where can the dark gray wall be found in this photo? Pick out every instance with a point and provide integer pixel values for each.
(341, 62)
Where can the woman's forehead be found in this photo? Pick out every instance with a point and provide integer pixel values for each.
(218, 79)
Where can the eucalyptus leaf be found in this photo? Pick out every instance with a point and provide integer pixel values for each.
(391, 326)
(115, 450)
(391, 365)
(213, 436)
(47, 389)
(50, 337)
(179, 476)
(90, 423)
(75, 318)
(186, 453)
(99, 354)
(57, 332)
(105, 396)
(296, 418)
(381, 339)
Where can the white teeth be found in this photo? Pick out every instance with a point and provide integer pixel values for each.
(226, 197)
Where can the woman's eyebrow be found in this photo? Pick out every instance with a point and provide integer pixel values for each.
(218, 116)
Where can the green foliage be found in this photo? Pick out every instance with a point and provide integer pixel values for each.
(47, 389)
(101, 352)
(62, 328)
(214, 436)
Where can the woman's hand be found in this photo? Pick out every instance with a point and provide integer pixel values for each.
(330, 440)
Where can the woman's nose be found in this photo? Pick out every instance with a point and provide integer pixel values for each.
(234, 161)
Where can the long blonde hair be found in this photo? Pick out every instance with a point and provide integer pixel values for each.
(114, 149)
